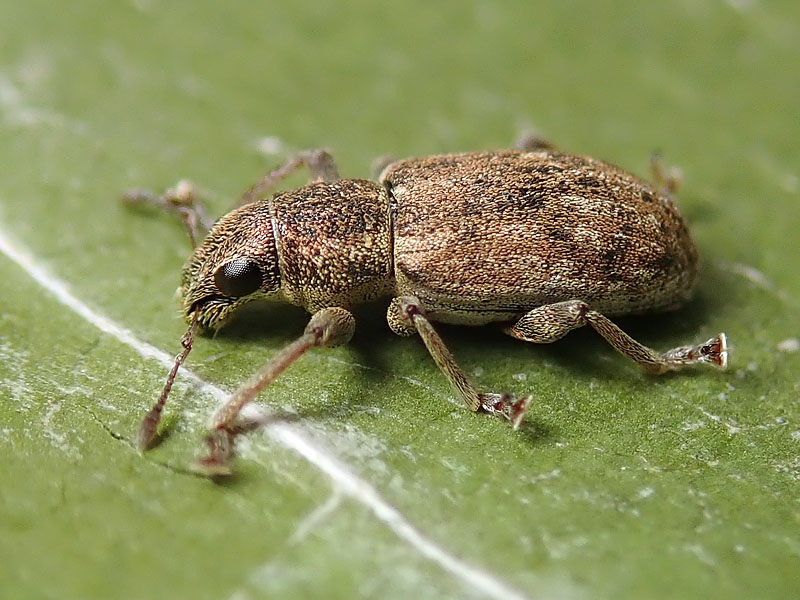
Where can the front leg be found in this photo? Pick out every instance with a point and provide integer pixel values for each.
(328, 327)
(406, 316)
(180, 200)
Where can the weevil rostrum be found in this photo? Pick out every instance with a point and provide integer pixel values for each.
(537, 241)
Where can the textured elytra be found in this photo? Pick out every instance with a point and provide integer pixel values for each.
(482, 237)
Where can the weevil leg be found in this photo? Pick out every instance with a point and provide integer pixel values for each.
(149, 427)
(379, 164)
(406, 316)
(180, 200)
(551, 322)
(330, 327)
(669, 179)
(321, 166)
(532, 142)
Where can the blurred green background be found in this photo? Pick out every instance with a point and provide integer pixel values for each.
(620, 485)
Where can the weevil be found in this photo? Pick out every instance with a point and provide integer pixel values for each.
(535, 240)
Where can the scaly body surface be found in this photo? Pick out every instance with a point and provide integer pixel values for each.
(486, 237)
(541, 241)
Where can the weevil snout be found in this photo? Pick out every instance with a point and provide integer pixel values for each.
(237, 262)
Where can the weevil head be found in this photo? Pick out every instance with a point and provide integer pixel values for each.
(236, 263)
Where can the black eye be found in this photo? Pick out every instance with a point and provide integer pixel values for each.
(238, 278)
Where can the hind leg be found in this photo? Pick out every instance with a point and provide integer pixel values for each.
(551, 322)
(532, 142)
(669, 179)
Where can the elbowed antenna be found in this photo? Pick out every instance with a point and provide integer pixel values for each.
(149, 427)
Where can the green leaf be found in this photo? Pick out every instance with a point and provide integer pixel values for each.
(372, 481)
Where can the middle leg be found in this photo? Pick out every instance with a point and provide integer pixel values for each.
(406, 317)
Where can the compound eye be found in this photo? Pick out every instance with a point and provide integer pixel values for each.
(238, 277)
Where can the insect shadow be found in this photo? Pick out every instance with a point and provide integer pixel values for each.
(582, 353)
(372, 362)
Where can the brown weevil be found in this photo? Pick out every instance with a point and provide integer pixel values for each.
(539, 241)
